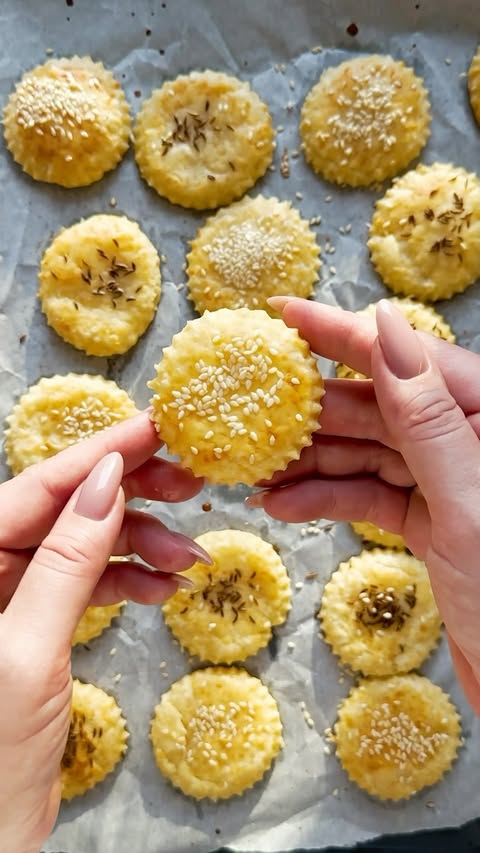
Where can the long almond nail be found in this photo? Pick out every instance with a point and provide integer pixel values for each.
(255, 500)
(402, 350)
(195, 550)
(183, 582)
(99, 491)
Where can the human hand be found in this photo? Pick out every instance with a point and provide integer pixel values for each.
(401, 452)
(61, 521)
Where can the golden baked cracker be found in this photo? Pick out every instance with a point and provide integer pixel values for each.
(420, 316)
(371, 533)
(425, 233)
(236, 396)
(216, 732)
(473, 81)
(203, 139)
(254, 249)
(365, 120)
(97, 740)
(395, 736)
(67, 122)
(230, 612)
(57, 412)
(94, 621)
(378, 613)
(100, 284)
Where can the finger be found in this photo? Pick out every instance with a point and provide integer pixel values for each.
(42, 490)
(12, 567)
(164, 549)
(465, 675)
(134, 582)
(397, 510)
(431, 431)
(140, 534)
(350, 409)
(160, 480)
(348, 337)
(342, 457)
(59, 582)
(352, 499)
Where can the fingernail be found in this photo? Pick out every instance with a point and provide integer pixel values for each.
(195, 550)
(255, 500)
(99, 491)
(402, 350)
(183, 582)
(278, 302)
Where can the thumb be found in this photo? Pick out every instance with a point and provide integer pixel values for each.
(429, 428)
(57, 585)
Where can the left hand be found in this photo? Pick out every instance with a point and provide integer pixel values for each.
(61, 520)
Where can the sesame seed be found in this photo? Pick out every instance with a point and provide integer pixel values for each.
(299, 585)
(56, 103)
(368, 115)
(290, 646)
(85, 419)
(246, 252)
(299, 196)
(395, 735)
(117, 677)
(113, 651)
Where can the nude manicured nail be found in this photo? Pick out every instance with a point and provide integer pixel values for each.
(183, 582)
(278, 302)
(195, 550)
(255, 500)
(402, 349)
(99, 491)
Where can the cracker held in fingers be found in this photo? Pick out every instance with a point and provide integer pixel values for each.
(236, 396)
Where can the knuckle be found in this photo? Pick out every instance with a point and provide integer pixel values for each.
(430, 415)
(66, 552)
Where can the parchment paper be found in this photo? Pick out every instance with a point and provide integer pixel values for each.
(306, 800)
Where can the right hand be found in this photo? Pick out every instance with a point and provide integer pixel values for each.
(401, 452)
